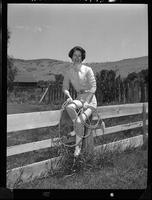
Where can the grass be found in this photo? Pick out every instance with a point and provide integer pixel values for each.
(125, 170)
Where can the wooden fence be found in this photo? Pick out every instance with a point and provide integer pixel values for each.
(131, 93)
(26, 121)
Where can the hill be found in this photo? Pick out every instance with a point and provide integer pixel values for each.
(45, 69)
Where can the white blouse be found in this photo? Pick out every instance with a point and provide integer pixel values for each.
(82, 79)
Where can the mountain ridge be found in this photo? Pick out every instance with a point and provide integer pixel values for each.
(45, 69)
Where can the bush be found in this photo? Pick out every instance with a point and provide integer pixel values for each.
(11, 72)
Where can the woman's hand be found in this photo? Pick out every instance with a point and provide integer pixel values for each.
(69, 99)
(85, 105)
(66, 92)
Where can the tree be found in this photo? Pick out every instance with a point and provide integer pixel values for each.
(111, 85)
(11, 70)
(132, 76)
(143, 76)
(59, 78)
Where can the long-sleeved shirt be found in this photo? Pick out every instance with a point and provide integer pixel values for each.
(82, 79)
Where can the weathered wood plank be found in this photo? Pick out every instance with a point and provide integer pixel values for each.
(88, 143)
(120, 110)
(32, 171)
(26, 121)
(120, 145)
(144, 119)
(123, 127)
(23, 148)
(146, 105)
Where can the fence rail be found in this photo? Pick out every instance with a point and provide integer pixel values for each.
(24, 148)
(26, 121)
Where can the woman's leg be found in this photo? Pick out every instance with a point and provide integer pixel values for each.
(80, 129)
(71, 109)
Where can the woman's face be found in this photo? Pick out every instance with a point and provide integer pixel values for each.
(76, 58)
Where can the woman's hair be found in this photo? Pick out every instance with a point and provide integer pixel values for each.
(77, 48)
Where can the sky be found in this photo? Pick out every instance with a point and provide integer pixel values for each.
(108, 32)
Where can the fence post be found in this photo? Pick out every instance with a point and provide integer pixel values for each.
(144, 118)
(127, 93)
(88, 143)
(119, 92)
(144, 123)
(142, 93)
(49, 92)
(145, 91)
(124, 93)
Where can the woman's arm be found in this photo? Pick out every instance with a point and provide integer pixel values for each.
(92, 82)
(65, 87)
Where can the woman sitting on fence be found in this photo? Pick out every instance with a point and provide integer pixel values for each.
(83, 80)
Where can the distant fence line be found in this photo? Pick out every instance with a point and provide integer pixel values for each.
(130, 93)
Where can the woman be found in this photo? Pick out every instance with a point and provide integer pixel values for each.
(83, 80)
